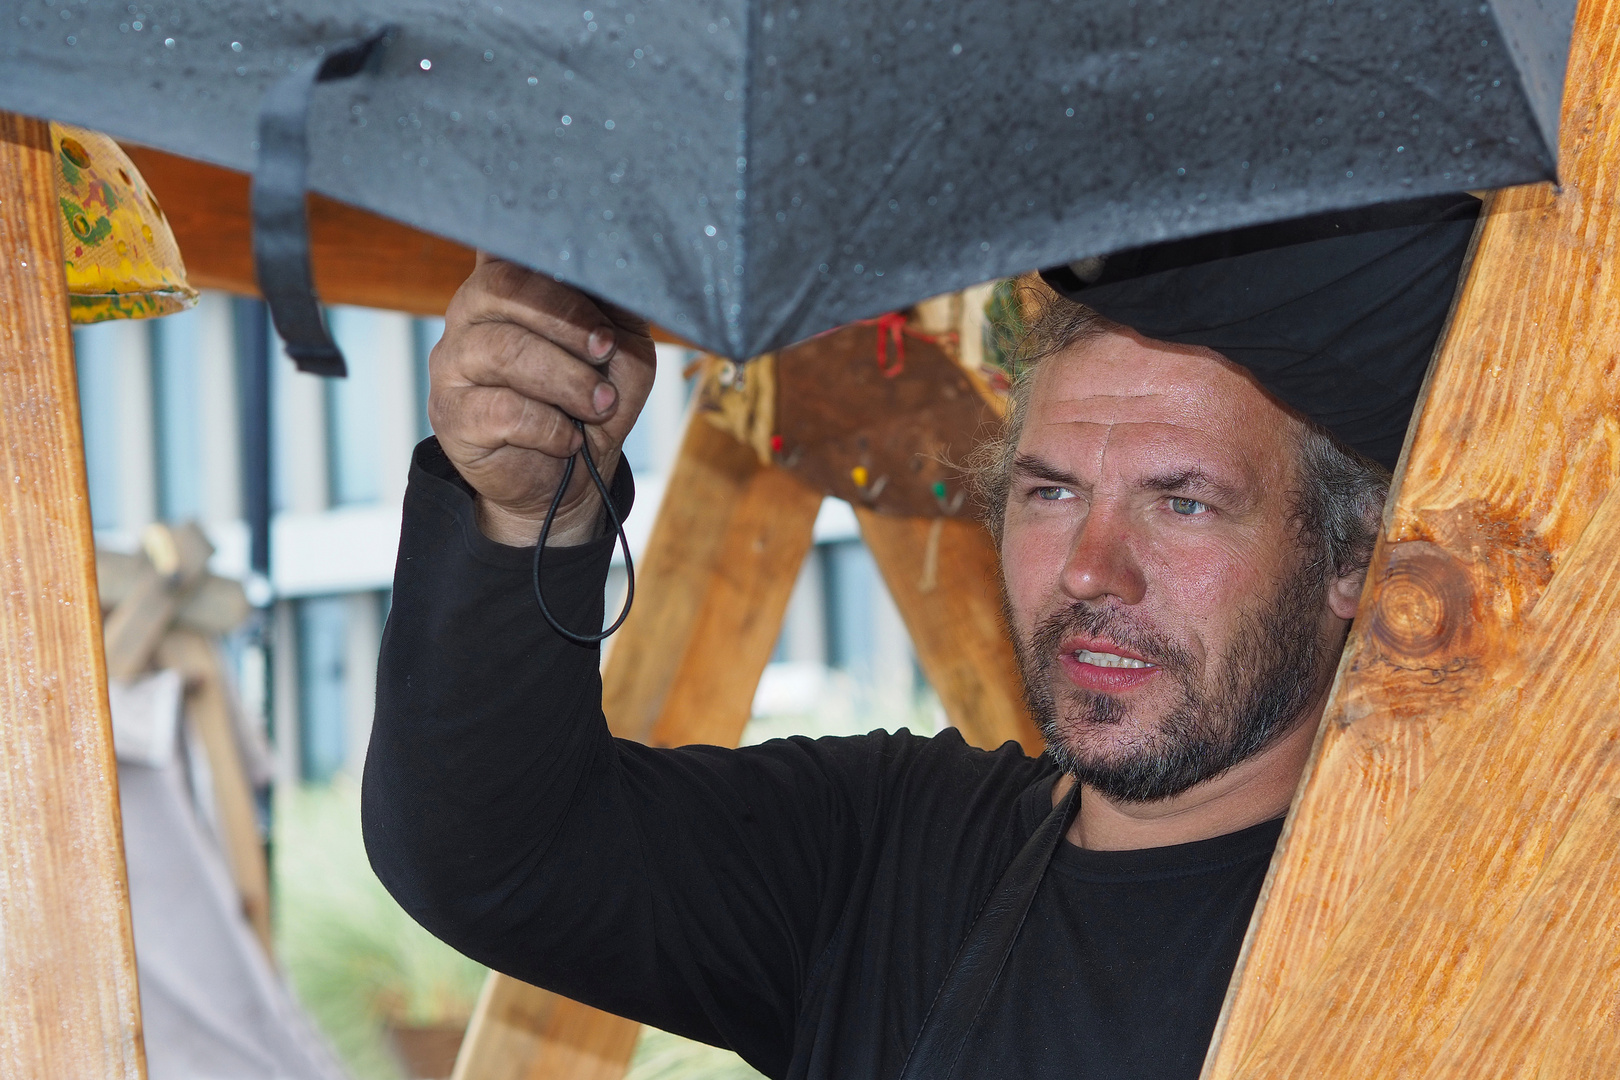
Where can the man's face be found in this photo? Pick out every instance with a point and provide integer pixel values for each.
(1168, 620)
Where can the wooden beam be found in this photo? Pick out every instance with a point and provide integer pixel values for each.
(717, 574)
(69, 1006)
(209, 711)
(944, 576)
(142, 617)
(358, 257)
(1442, 901)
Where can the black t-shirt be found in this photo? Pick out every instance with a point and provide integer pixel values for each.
(799, 901)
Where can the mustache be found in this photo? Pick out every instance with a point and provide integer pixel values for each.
(1126, 630)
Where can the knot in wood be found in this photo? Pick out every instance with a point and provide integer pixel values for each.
(1422, 599)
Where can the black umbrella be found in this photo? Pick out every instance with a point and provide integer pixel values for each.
(750, 173)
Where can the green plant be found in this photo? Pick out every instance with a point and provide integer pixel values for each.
(356, 960)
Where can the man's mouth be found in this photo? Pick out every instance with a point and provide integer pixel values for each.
(1108, 659)
(1103, 667)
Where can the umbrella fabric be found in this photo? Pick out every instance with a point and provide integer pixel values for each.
(1337, 314)
(750, 172)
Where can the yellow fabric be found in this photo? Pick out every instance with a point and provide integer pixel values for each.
(122, 259)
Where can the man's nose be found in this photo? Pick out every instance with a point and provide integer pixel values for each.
(1101, 562)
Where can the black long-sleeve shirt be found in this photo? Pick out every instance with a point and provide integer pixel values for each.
(799, 901)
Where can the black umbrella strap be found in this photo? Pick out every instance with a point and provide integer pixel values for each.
(280, 223)
(618, 528)
(937, 1051)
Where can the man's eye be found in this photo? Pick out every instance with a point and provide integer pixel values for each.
(1187, 507)
(1052, 494)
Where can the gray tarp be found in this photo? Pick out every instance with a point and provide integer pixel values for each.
(212, 1007)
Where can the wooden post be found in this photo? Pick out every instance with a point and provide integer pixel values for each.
(68, 1000)
(945, 578)
(1445, 902)
(717, 574)
(209, 710)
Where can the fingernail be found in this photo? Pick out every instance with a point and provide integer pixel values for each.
(603, 397)
(602, 343)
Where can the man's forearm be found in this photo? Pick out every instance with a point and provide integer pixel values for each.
(485, 718)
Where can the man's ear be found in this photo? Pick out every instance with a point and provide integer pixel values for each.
(1344, 594)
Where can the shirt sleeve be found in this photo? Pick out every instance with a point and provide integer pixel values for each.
(689, 888)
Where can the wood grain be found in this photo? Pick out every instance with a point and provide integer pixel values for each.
(69, 1006)
(1477, 707)
(712, 588)
(943, 575)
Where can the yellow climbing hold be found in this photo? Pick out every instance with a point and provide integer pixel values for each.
(121, 258)
(859, 475)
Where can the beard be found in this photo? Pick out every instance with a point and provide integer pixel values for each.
(1276, 664)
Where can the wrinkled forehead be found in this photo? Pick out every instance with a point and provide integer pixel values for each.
(1122, 403)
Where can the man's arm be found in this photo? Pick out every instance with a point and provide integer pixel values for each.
(687, 887)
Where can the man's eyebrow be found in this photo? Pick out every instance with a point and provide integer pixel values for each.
(1034, 468)
(1193, 480)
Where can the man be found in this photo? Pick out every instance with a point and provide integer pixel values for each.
(1182, 554)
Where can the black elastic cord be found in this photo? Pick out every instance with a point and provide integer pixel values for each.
(280, 222)
(618, 527)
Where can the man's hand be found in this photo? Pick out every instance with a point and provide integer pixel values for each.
(521, 355)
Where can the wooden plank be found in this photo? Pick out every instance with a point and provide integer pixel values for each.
(209, 711)
(143, 616)
(357, 257)
(717, 574)
(69, 1006)
(1477, 705)
(216, 606)
(944, 576)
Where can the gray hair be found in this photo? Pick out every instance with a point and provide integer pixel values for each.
(1341, 492)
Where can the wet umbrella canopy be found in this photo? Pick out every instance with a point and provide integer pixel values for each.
(750, 173)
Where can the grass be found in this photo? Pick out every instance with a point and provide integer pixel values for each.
(355, 958)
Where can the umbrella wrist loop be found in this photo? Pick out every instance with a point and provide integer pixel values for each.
(618, 529)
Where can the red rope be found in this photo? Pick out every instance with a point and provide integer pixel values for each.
(891, 327)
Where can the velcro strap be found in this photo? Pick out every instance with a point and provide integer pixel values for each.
(280, 222)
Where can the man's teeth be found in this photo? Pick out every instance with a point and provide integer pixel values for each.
(1108, 659)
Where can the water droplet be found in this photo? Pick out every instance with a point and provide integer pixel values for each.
(488, 56)
(236, 46)
(608, 124)
(956, 50)
(708, 230)
(984, 246)
(426, 64)
(566, 120)
(533, 81)
(168, 43)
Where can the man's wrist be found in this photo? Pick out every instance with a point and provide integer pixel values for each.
(574, 525)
